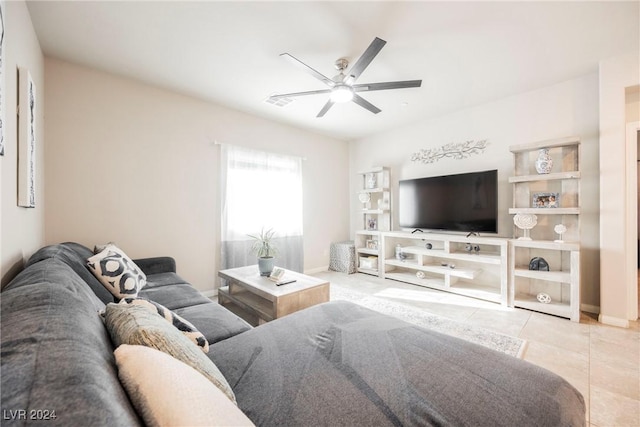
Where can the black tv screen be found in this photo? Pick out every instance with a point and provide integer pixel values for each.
(465, 202)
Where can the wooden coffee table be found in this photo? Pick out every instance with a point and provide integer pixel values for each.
(259, 296)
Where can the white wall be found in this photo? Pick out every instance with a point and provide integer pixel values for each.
(565, 109)
(618, 272)
(21, 229)
(137, 165)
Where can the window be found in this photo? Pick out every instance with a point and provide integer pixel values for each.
(261, 190)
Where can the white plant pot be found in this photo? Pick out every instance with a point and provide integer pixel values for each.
(265, 265)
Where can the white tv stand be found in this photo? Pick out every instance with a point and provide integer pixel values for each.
(448, 265)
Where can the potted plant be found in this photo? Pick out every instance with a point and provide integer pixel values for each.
(264, 250)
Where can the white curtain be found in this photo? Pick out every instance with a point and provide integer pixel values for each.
(261, 190)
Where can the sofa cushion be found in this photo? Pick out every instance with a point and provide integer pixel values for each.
(166, 391)
(155, 265)
(75, 256)
(56, 352)
(163, 279)
(214, 321)
(132, 324)
(117, 272)
(175, 297)
(177, 321)
(339, 363)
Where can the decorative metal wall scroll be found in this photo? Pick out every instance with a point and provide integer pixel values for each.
(454, 150)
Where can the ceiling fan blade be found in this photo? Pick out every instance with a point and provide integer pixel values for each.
(291, 95)
(363, 62)
(365, 104)
(367, 87)
(326, 107)
(304, 67)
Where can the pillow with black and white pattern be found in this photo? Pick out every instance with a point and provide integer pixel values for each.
(179, 322)
(117, 272)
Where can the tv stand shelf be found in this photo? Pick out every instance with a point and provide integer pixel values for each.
(463, 256)
(471, 266)
(466, 273)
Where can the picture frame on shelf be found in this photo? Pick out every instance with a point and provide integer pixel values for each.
(545, 200)
(372, 224)
(372, 244)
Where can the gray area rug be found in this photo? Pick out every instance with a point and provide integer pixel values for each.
(504, 343)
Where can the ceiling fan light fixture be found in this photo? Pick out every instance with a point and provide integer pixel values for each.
(342, 87)
(342, 93)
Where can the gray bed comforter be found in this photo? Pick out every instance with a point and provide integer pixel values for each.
(342, 364)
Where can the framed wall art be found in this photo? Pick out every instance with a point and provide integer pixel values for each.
(26, 139)
(2, 79)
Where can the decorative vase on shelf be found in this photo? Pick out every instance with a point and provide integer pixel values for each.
(544, 163)
(371, 180)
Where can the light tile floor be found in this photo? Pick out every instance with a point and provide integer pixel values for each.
(602, 362)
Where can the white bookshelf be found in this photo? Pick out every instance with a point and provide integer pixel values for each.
(562, 282)
(375, 215)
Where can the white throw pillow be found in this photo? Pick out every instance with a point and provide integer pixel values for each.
(117, 272)
(167, 392)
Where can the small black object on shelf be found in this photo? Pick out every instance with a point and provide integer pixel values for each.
(471, 248)
(539, 264)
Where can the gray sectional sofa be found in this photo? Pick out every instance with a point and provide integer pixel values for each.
(332, 364)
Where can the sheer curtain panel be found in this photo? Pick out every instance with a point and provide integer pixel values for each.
(260, 190)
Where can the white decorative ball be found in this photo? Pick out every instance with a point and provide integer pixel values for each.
(543, 298)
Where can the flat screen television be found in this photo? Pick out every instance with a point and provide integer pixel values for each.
(466, 202)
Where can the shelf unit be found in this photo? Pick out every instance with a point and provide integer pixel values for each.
(563, 179)
(375, 198)
(562, 282)
(367, 245)
(447, 265)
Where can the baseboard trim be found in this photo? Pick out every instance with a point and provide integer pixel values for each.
(210, 293)
(317, 270)
(593, 309)
(613, 321)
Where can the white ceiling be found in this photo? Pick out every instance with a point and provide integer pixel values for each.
(466, 53)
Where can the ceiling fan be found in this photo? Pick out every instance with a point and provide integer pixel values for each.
(342, 87)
